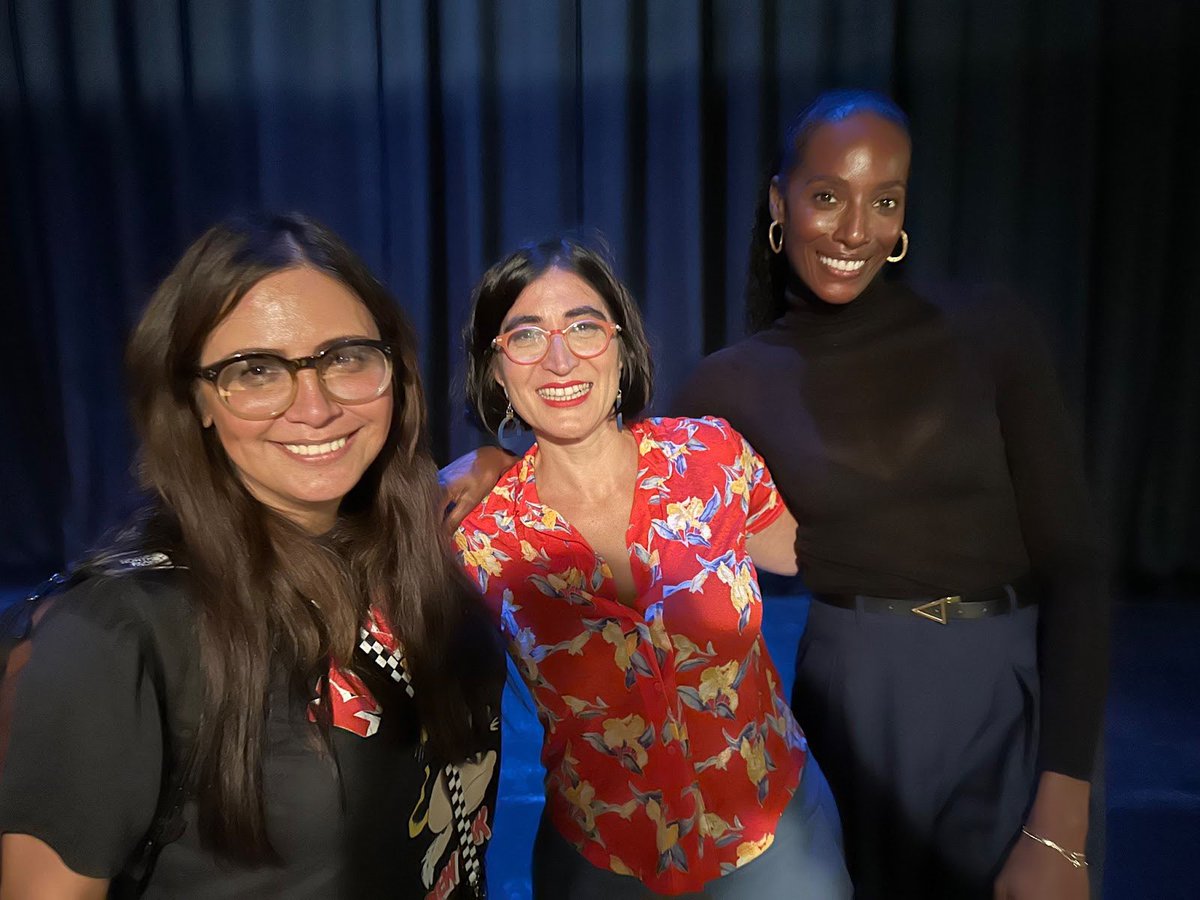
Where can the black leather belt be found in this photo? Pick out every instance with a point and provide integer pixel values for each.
(977, 605)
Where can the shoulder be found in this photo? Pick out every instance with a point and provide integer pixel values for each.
(977, 307)
(501, 500)
(724, 368)
(137, 598)
(672, 437)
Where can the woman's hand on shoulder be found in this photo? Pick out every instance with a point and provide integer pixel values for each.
(1034, 871)
(469, 479)
(32, 868)
(774, 548)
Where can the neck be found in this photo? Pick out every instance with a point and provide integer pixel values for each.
(589, 467)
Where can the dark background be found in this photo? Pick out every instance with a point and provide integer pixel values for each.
(1050, 154)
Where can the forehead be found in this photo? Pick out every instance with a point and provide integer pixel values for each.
(554, 293)
(863, 146)
(292, 312)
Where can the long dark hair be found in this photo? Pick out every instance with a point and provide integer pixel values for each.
(767, 274)
(499, 289)
(268, 594)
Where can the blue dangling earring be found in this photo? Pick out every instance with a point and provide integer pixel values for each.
(617, 410)
(507, 422)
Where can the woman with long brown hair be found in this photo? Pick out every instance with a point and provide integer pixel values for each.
(280, 661)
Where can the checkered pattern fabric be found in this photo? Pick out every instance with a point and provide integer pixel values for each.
(392, 662)
(462, 824)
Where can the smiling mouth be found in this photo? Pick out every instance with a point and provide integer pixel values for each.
(574, 392)
(848, 266)
(316, 449)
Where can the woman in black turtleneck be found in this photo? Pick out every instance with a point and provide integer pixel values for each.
(922, 444)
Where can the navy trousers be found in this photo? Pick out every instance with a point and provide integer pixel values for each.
(928, 735)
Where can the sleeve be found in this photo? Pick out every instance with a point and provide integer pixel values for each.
(1058, 528)
(765, 503)
(84, 761)
(746, 475)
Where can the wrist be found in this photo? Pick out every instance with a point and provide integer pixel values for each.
(1075, 858)
(1060, 810)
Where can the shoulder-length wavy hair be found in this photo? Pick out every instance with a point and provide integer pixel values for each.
(499, 289)
(271, 597)
(767, 275)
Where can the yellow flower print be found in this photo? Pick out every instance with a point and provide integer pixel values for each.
(719, 830)
(737, 487)
(750, 850)
(581, 797)
(754, 752)
(716, 685)
(741, 590)
(483, 556)
(659, 638)
(527, 552)
(719, 761)
(625, 644)
(684, 517)
(625, 740)
(617, 865)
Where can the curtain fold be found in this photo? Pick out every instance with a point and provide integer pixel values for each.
(435, 136)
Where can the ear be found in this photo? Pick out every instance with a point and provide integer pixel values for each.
(775, 200)
(203, 412)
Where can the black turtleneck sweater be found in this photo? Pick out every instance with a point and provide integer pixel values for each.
(924, 448)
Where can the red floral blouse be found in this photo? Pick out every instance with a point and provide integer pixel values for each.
(670, 752)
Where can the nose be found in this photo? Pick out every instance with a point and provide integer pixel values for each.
(851, 231)
(311, 406)
(559, 359)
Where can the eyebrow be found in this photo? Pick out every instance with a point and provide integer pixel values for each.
(573, 313)
(879, 187)
(274, 351)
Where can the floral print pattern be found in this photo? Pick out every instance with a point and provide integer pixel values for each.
(669, 750)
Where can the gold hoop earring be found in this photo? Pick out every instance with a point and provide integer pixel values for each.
(776, 243)
(903, 248)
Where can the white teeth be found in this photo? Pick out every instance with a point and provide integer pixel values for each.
(557, 393)
(315, 449)
(842, 265)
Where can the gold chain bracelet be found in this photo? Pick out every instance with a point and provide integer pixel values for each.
(1078, 860)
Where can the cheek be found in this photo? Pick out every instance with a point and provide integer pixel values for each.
(239, 439)
(809, 225)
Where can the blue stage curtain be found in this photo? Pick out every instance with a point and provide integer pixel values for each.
(435, 136)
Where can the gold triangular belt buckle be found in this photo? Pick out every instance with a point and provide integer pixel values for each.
(935, 610)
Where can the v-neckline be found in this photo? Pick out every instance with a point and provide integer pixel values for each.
(640, 573)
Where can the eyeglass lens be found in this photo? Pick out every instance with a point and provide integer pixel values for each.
(262, 386)
(584, 338)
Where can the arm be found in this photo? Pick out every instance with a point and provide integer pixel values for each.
(84, 762)
(1034, 870)
(1073, 619)
(774, 548)
(770, 526)
(467, 480)
(31, 868)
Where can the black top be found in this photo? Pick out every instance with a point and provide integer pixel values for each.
(925, 450)
(90, 738)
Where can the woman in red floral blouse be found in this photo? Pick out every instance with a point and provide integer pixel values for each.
(620, 561)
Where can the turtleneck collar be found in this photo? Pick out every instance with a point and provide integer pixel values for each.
(879, 307)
